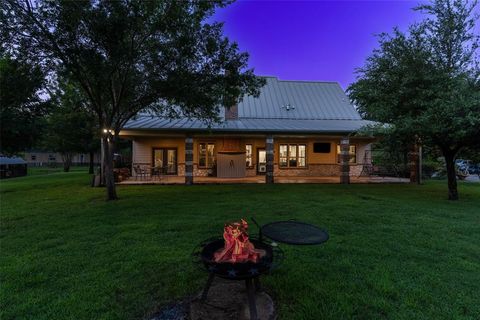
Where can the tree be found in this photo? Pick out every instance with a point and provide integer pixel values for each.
(426, 83)
(131, 56)
(68, 131)
(21, 109)
(72, 97)
(92, 147)
(70, 128)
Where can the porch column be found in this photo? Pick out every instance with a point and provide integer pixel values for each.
(188, 160)
(269, 153)
(344, 160)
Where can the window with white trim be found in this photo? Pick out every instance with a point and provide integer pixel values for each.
(292, 156)
(249, 155)
(206, 154)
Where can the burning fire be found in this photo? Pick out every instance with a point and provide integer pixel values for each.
(237, 248)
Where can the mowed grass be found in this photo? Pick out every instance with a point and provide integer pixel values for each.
(395, 251)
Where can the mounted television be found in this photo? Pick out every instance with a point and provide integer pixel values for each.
(321, 147)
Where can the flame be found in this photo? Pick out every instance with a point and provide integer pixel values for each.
(237, 247)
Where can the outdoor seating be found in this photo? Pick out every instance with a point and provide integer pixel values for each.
(159, 172)
(140, 172)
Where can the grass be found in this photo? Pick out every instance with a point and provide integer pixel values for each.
(396, 251)
(35, 171)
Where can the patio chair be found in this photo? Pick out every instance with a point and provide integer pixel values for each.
(140, 172)
(159, 172)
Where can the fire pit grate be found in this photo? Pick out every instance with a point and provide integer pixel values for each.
(293, 232)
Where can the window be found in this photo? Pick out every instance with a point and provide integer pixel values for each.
(206, 155)
(321, 147)
(292, 155)
(51, 157)
(165, 160)
(249, 155)
(352, 152)
(283, 155)
(34, 157)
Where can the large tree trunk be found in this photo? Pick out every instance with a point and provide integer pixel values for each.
(108, 168)
(451, 174)
(413, 163)
(67, 162)
(404, 173)
(90, 167)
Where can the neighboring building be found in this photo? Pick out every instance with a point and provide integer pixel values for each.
(294, 128)
(12, 167)
(45, 158)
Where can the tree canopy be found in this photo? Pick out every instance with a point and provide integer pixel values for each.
(132, 56)
(426, 83)
(21, 108)
(69, 127)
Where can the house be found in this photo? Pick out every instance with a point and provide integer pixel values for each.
(293, 129)
(39, 158)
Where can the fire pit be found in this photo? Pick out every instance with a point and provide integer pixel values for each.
(237, 270)
(238, 257)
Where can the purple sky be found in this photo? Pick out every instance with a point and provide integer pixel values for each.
(312, 40)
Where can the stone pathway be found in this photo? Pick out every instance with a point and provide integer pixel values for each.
(227, 300)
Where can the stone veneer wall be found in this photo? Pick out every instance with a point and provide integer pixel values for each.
(196, 171)
(181, 169)
(199, 172)
(312, 170)
(317, 170)
(251, 172)
(355, 170)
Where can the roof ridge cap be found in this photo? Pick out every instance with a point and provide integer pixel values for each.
(309, 81)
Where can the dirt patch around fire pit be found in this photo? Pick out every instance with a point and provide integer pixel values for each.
(228, 300)
(173, 311)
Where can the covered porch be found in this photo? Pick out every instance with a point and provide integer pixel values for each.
(249, 158)
(173, 180)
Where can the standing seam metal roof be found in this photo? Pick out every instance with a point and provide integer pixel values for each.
(314, 107)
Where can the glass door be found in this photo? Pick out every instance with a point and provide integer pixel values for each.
(171, 161)
(261, 161)
(165, 160)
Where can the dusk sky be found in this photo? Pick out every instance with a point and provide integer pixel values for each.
(312, 40)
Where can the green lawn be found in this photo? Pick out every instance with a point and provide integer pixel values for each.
(396, 251)
(34, 171)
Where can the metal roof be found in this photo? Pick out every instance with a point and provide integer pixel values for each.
(13, 160)
(247, 125)
(306, 100)
(283, 106)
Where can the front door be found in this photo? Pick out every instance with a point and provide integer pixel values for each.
(166, 160)
(261, 161)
